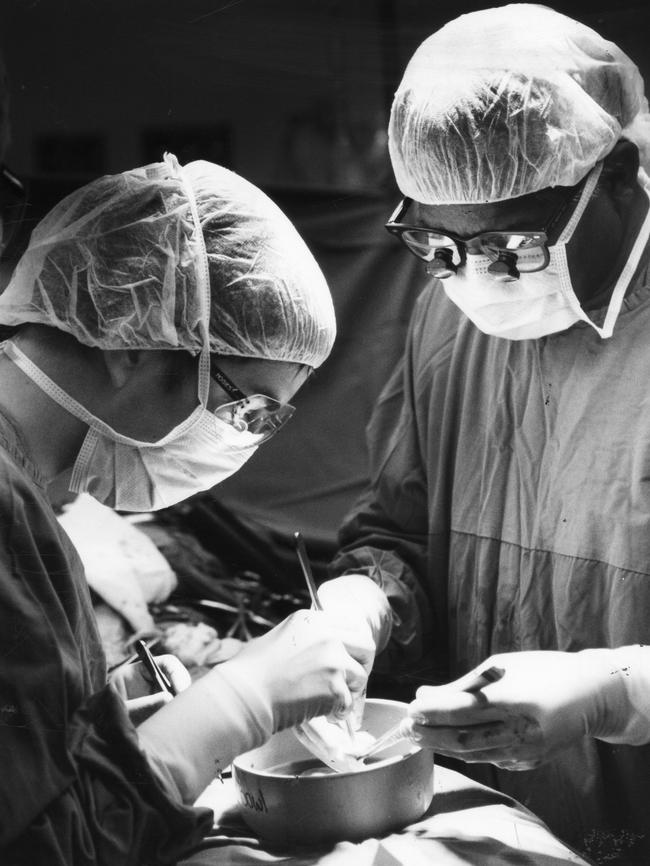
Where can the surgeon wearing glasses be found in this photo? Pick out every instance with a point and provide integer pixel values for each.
(161, 321)
(507, 523)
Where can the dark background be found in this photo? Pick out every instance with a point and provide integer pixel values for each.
(286, 92)
(295, 96)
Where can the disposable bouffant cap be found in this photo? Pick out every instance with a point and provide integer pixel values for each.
(507, 101)
(117, 264)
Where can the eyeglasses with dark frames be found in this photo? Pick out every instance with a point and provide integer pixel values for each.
(257, 414)
(445, 251)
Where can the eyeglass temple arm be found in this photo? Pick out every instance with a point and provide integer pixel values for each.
(229, 387)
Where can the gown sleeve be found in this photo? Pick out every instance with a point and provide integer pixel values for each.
(75, 786)
(385, 534)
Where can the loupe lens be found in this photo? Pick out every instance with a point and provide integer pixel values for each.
(425, 244)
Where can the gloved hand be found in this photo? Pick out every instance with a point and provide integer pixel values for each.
(359, 614)
(301, 670)
(143, 697)
(543, 703)
(295, 671)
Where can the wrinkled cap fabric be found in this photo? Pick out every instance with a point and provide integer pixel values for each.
(507, 101)
(118, 263)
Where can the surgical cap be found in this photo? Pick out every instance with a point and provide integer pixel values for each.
(507, 101)
(119, 264)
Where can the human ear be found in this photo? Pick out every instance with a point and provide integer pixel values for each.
(620, 169)
(121, 364)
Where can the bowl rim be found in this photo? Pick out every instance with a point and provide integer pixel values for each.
(379, 765)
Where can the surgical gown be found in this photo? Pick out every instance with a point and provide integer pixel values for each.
(74, 786)
(509, 509)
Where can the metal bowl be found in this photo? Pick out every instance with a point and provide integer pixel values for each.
(288, 809)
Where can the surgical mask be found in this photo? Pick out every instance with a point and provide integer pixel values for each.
(130, 475)
(543, 302)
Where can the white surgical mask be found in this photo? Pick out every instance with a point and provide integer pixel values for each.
(131, 475)
(542, 302)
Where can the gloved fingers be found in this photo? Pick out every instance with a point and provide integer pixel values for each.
(546, 700)
(497, 758)
(347, 683)
(511, 735)
(342, 695)
(133, 680)
(355, 634)
(141, 708)
(517, 745)
(177, 673)
(358, 708)
(462, 740)
(480, 677)
(357, 667)
(356, 679)
(361, 608)
(443, 706)
(119, 680)
(303, 670)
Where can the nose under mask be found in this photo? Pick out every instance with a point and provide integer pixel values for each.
(543, 302)
(131, 475)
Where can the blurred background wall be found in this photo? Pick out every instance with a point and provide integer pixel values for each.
(286, 92)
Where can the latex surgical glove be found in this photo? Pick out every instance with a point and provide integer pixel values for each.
(294, 672)
(543, 703)
(360, 614)
(302, 669)
(143, 697)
